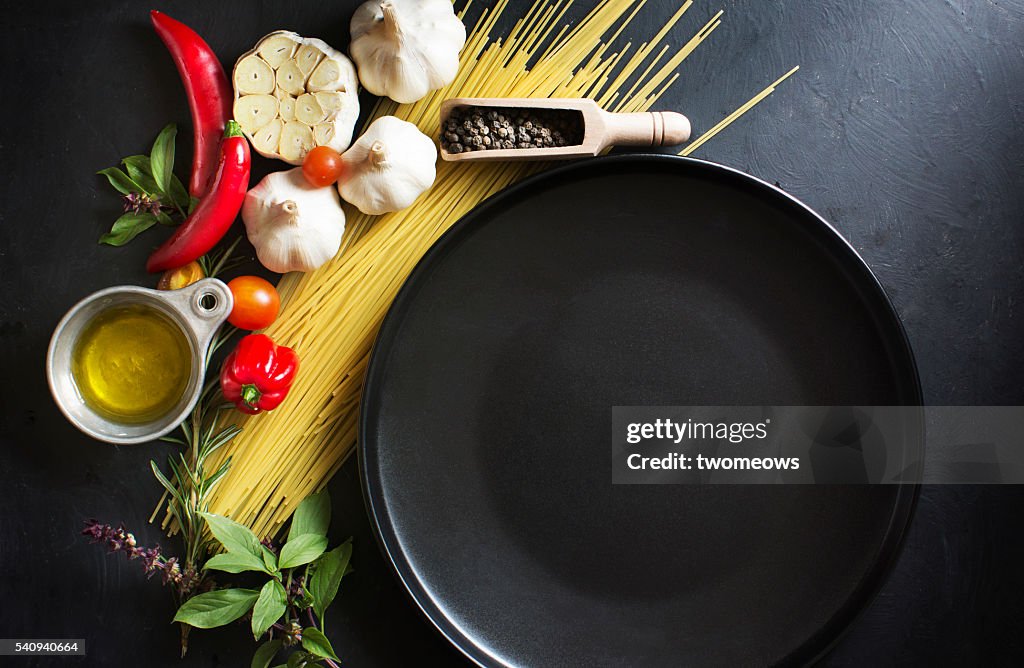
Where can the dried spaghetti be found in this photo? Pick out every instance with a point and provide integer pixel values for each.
(332, 315)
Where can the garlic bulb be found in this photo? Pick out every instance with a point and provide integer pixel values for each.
(406, 48)
(293, 93)
(293, 225)
(387, 167)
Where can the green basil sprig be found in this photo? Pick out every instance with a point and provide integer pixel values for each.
(150, 191)
(303, 580)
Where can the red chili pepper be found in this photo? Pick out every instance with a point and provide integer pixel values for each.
(257, 375)
(212, 217)
(209, 95)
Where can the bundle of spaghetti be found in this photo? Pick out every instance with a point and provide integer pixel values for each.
(332, 315)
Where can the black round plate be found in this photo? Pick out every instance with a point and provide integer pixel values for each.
(486, 421)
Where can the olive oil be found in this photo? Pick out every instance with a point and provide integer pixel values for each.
(131, 364)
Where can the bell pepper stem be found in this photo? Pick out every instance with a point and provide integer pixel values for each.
(250, 395)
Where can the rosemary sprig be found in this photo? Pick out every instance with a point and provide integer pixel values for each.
(189, 483)
(216, 262)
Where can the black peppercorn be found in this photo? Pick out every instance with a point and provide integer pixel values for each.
(476, 129)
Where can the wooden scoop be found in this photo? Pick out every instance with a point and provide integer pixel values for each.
(601, 129)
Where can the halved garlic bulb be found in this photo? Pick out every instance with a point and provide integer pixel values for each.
(293, 93)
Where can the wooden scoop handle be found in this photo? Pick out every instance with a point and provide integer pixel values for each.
(658, 128)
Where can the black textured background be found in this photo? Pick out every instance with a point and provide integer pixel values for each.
(903, 128)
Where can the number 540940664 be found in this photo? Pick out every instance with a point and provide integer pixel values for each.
(12, 647)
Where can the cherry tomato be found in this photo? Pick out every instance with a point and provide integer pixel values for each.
(256, 302)
(322, 166)
(182, 277)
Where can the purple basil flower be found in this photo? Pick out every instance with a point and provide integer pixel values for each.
(153, 561)
(141, 203)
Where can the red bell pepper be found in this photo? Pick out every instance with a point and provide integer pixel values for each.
(209, 95)
(212, 217)
(257, 375)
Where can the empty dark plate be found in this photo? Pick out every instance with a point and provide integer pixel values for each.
(486, 421)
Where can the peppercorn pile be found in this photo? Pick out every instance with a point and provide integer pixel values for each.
(480, 129)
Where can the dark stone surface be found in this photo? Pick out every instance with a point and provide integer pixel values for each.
(902, 128)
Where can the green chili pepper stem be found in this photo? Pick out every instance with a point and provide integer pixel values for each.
(232, 129)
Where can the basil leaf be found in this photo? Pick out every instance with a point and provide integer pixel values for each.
(179, 195)
(161, 158)
(216, 608)
(141, 172)
(233, 536)
(127, 227)
(312, 516)
(164, 219)
(301, 550)
(269, 558)
(192, 203)
(265, 654)
(129, 220)
(330, 568)
(297, 659)
(272, 603)
(122, 182)
(306, 601)
(317, 643)
(236, 562)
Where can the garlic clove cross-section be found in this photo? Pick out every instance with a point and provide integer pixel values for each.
(293, 225)
(253, 75)
(406, 48)
(388, 167)
(279, 86)
(254, 111)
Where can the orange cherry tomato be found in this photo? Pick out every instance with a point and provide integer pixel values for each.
(322, 166)
(256, 302)
(182, 277)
